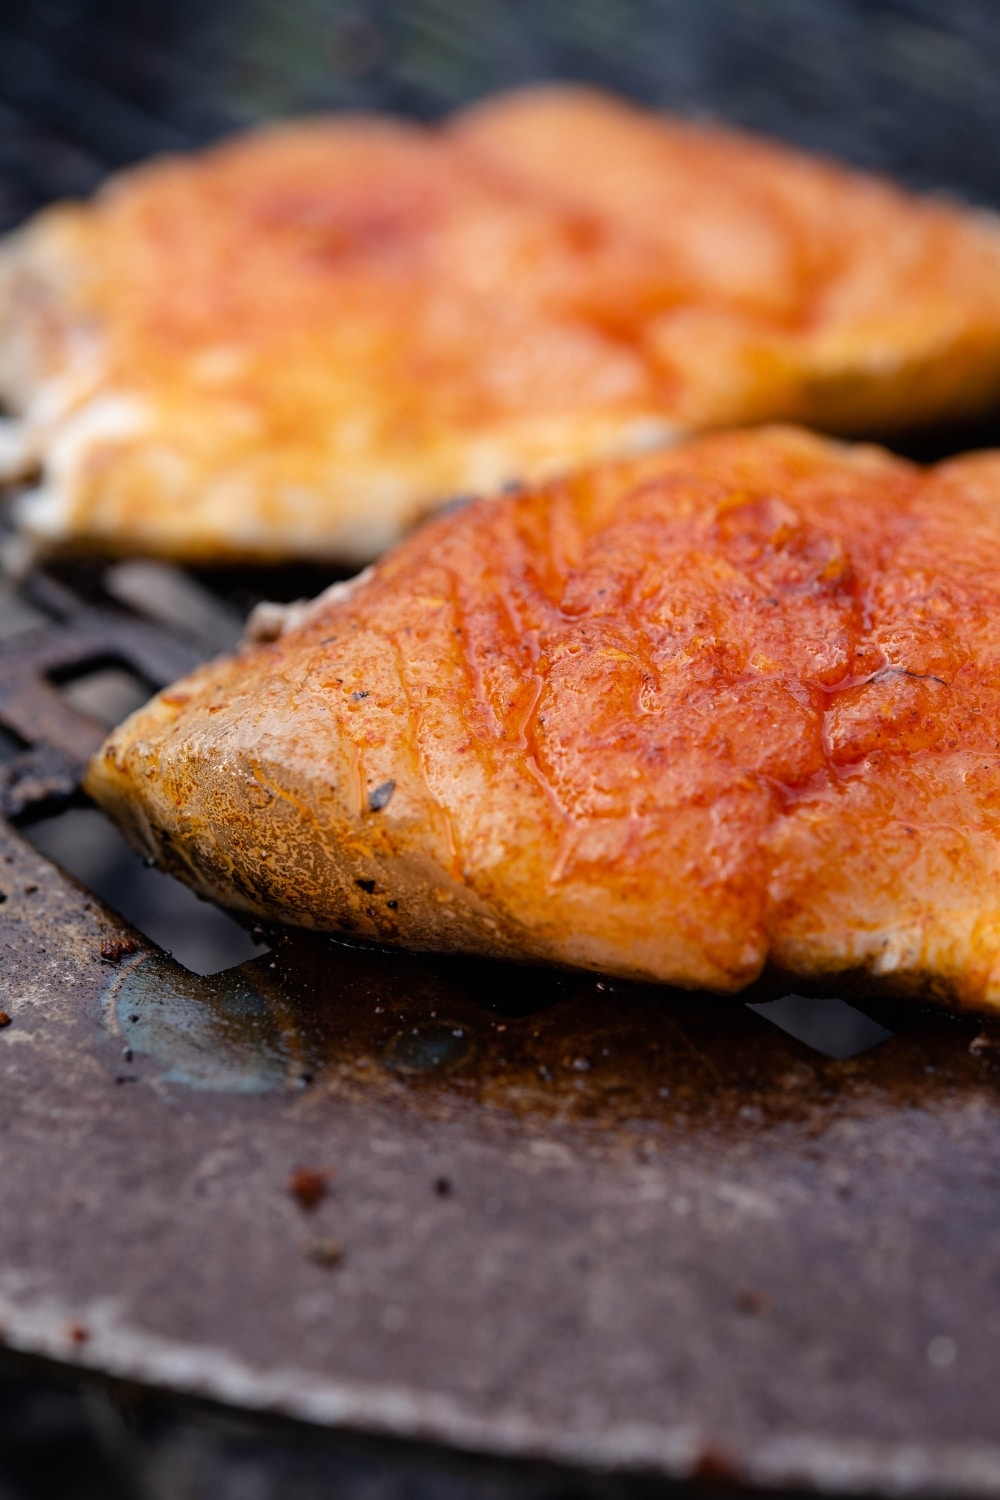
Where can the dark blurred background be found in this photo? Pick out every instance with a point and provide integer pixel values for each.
(909, 87)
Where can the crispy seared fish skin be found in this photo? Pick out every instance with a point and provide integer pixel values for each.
(300, 342)
(674, 718)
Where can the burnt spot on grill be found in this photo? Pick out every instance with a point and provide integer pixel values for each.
(308, 1186)
(751, 1300)
(716, 1466)
(366, 885)
(113, 950)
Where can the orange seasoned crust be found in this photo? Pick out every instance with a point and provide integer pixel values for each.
(733, 704)
(301, 341)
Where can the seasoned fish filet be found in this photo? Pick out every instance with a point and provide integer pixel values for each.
(674, 718)
(302, 341)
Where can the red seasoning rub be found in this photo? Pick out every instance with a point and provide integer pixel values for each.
(673, 719)
(305, 339)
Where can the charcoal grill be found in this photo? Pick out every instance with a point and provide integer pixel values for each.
(516, 1214)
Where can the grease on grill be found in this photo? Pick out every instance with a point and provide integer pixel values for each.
(215, 1032)
(435, 1035)
(430, 1047)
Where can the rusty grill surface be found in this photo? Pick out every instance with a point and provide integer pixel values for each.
(525, 1214)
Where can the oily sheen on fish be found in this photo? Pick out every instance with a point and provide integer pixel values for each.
(677, 718)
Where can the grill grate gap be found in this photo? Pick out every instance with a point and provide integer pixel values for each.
(200, 936)
(106, 694)
(11, 745)
(827, 1025)
(167, 596)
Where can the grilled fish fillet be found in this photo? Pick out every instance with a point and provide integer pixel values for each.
(674, 718)
(300, 342)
